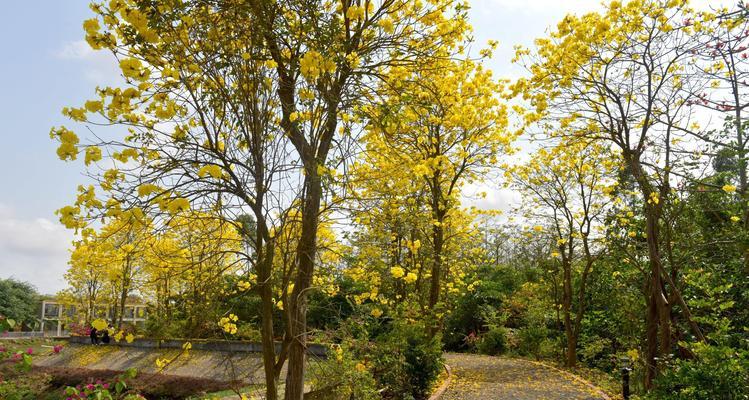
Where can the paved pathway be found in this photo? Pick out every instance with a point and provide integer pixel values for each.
(478, 377)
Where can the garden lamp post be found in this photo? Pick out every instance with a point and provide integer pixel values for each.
(626, 368)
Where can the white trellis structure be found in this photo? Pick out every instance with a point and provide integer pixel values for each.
(54, 316)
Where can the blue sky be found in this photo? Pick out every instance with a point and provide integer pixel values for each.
(46, 65)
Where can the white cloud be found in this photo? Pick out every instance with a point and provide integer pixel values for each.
(33, 250)
(78, 50)
(497, 198)
(99, 66)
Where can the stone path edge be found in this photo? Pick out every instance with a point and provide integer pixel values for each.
(443, 388)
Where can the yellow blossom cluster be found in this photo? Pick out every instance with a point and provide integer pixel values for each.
(313, 64)
(228, 324)
(68, 141)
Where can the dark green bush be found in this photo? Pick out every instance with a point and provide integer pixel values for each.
(407, 362)
(493, 342)
(468, 319)
(530, 339)
(716, 373)
(423, 364)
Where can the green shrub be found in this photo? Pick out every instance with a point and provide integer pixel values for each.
(423, 364)
(492, 285)
(407, 362)
(493, 342)
(530, 340)
(18, 390)
(596, 352)
(342, 376)
(248, 332)
(717, 372)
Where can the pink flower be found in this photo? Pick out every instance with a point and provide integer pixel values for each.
(29, 351)
(90, 386)
(105, 386)
(57, 348)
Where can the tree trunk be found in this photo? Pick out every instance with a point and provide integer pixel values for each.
(743, 180)
(571, 349)
(656, 301)
(651, 338)
(438, 239)
(658, 315)
(123, 299)
(571, 354)
(265, 263)
(305, 257)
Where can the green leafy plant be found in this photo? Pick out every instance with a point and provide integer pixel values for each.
(407, 362)
(23, 387)
(343, 375)
(716, 372)
(493, 342)
(118, 390)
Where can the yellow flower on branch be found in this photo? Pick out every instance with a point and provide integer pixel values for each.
(212, 170)
(93, 154)
(729, 188)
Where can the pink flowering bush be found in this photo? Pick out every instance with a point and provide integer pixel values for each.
(118, 390)
(79, 329)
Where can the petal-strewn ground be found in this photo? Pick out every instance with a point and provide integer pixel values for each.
(478, 377)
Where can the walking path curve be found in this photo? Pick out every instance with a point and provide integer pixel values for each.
(476, 377)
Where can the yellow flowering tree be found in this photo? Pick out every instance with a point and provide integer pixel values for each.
(722, 61)
(226, 102)
(179, 269)
(616, 77)
(568, 189)
(443, 125)
(85, 278)
(107, 266)
(392, 254)
(187, 268)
